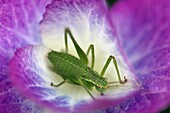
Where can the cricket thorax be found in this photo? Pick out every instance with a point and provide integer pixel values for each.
(95, 78)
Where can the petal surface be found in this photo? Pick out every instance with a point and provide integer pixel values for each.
(143, 28)
(18, 27)
(32, 74)
(88, 22)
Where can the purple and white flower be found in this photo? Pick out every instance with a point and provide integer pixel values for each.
(135, 32)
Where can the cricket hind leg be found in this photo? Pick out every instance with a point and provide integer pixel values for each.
(91, 47)
(116, 67)
(80, 52)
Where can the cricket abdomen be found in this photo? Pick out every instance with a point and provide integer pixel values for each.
(67, 66)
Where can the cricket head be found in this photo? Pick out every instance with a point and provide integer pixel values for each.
(101, 84)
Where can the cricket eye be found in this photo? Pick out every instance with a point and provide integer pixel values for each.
(99, 86)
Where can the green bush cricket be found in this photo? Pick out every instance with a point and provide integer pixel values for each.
(75, 70)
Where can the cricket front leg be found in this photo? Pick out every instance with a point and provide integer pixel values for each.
(116, 67)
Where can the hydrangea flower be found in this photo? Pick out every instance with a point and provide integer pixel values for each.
(90, 23)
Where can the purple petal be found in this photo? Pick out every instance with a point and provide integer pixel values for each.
(32, 74)
(31, 71)
(143, 28)
(18, 27)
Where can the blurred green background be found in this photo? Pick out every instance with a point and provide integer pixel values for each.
(110, 3)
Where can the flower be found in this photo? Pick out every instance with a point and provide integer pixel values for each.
(31, 68)
(89, 21)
